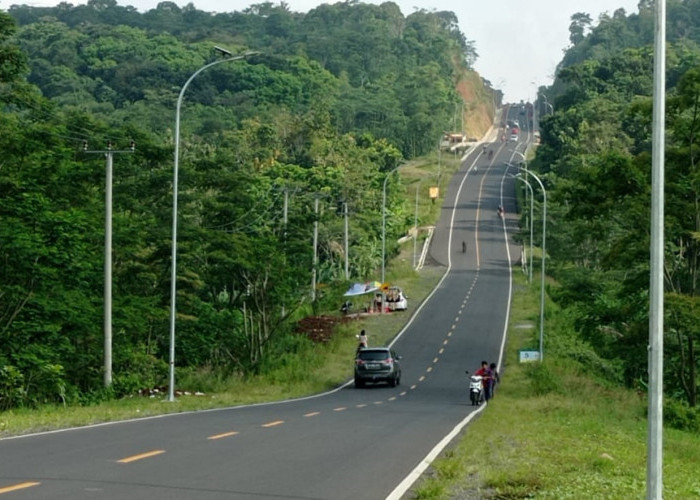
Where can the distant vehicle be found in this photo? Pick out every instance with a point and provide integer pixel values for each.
(396, 300)
(516, 123)
(377, 364)
(513, 137)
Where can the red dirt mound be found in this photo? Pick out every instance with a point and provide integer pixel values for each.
(319, 328)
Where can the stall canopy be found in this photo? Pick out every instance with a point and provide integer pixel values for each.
(363, 288)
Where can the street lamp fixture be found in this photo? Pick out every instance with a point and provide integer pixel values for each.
(544, 253)
(173, 277)
(532, 203)
(544, 247)
(222, 51)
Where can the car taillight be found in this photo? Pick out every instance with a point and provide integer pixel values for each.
(359, 362)
(388, 361)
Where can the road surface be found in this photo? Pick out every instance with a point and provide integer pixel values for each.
(348, 444)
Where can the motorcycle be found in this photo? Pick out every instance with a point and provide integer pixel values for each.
(475, 389)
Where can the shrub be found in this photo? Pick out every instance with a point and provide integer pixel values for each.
(543, 379)
(678, 415)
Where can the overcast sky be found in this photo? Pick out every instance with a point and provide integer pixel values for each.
(519, 42)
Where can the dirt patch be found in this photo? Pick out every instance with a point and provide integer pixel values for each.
(319, 328)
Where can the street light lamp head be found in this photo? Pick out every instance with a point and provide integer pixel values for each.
(222, 51)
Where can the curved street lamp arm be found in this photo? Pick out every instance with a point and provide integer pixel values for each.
(544, 253)
(173, 275)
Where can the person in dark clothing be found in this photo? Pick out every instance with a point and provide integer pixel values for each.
(496, 378)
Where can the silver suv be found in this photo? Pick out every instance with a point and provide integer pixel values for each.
(377, 364)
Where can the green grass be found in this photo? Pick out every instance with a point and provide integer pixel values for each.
(312, 370)
(572, 439)
(316, 368)
(551, 432)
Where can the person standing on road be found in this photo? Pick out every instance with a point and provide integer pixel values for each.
(496, 379)
(486, 379)
(364, 343)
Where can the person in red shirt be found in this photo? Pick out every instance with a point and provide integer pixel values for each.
(487, 379)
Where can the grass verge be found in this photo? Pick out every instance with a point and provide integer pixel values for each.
(553, 431)
(313, 369)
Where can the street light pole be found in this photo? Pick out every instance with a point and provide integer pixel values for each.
(544, 253)
(173, 275)
(656, 278)
(532, 203)
(547, 104)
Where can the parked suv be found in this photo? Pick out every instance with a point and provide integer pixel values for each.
(377, 364)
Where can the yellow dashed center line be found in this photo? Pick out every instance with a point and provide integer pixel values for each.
(141, 456)
(430, 368)
(422, 378)
(223, 435)
(449, 334)
(445, 342)
(442, 349)
(378, 402)
(413, 386)
(392, 398)
(403, 393)
(273, 424)
(341, 408)
(313, 414)
(19, 486)
(361, 406)
(435, 360)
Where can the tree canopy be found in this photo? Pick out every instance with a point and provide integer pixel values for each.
(596, 159)
(334, 100)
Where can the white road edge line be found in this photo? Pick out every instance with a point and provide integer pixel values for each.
(416, 473)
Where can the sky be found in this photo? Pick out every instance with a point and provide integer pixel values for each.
(519, 42)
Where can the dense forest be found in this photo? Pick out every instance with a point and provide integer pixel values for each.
(596, 159)
(327, 104)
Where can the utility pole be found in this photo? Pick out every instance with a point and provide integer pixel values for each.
(415, 228)
(109, 152)
(347, 263)
(285, 219)
(315, 257)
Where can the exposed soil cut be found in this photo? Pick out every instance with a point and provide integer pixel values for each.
(319, 328)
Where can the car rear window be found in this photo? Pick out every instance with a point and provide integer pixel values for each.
(366, 355)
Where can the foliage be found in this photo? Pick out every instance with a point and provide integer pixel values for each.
(596, 160)
(321, 115)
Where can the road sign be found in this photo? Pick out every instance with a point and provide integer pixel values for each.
(527, 355)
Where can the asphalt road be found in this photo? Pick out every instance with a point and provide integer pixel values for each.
(351, 443)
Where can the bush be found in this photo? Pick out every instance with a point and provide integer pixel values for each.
(543, 379)
(678, 415)
(11, 387)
